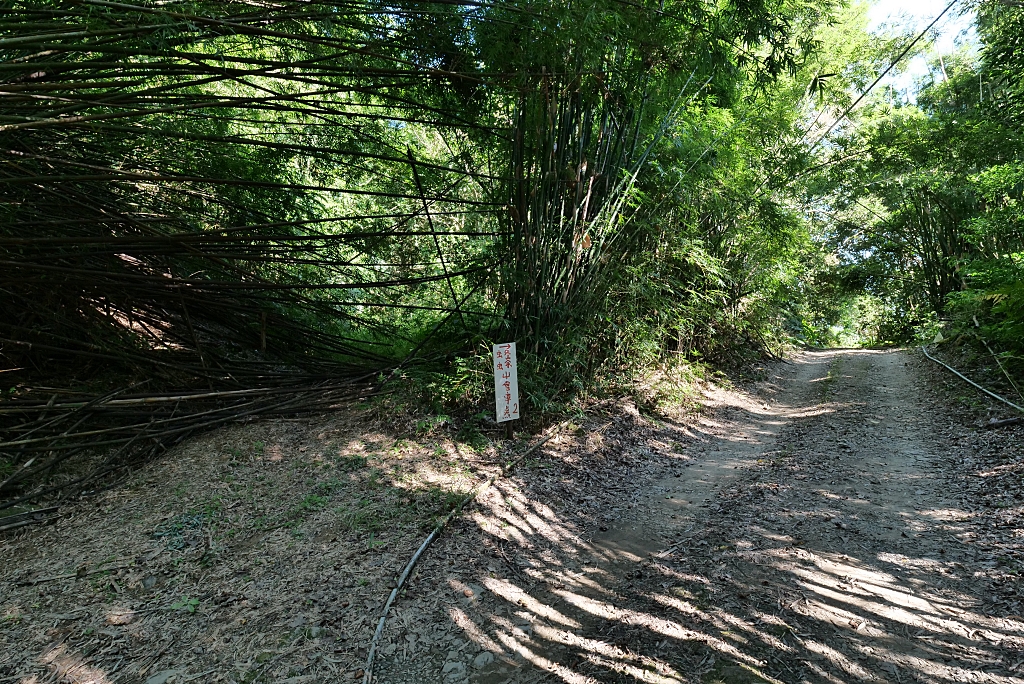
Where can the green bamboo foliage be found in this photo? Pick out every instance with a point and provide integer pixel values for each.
(240, 210)
(233, 197)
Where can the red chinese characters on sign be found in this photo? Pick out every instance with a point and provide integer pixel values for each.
(506, 383)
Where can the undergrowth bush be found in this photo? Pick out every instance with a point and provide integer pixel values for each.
(991, 309)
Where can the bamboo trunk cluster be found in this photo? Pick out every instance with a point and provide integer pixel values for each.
(256, 210)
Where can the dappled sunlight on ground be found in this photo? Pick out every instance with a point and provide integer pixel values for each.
(810, 541)
(855, 599)
(69, 666)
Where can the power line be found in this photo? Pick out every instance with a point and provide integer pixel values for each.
(882, 75)
(767, 181)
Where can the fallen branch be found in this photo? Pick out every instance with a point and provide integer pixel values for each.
(675, 546)
(1005, 422)
(434, 534)
(13, 522)
(76, 575)
(35, 515)
(971, 382)
(24, 523)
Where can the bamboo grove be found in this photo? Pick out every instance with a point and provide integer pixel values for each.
(216, 210)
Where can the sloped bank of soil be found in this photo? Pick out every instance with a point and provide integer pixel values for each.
(255, 553)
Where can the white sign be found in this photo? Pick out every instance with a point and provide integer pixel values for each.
(506, 382)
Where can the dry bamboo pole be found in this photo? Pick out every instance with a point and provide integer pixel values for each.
(437, 240)
(971, 382)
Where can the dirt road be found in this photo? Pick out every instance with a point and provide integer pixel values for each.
(813, 531)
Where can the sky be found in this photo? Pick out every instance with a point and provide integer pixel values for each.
(916, 15)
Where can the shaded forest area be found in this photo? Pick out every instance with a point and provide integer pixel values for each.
(211, 211)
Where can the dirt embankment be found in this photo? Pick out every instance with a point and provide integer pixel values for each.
(258, 553)
(834, 524)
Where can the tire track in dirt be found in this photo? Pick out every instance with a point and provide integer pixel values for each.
(849, 523)
(803, 534)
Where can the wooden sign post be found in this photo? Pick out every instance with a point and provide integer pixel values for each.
(506, 384)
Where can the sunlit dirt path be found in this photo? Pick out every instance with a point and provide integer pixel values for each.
(806, 533)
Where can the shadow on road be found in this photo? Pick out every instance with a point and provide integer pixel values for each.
(810, 541)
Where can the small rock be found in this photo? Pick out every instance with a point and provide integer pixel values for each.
(483, 659)
(149, 582)
(161, 677)
(453, 670)
(126, 618)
